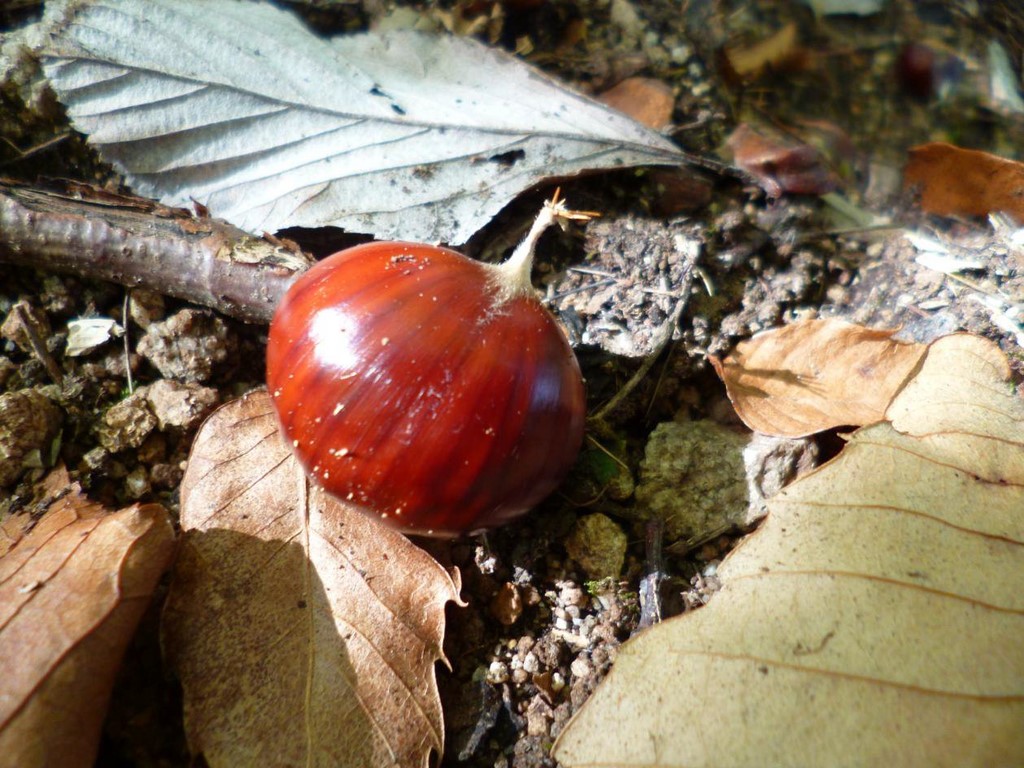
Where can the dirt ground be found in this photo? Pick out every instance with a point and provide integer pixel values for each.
(681, 266)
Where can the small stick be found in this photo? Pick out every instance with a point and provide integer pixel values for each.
(650, 584)
(664, 336)
(93, 233)
(24, 154)
(38, 345)
(127, 347)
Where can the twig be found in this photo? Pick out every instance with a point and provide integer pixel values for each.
(582, 288)
(24, 154)
(127, 346)
(38, 345)
(658, 383)
(609, 454)
(650, 584)
(89, 232)
(662, 338)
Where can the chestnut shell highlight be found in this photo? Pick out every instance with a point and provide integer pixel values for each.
(410, 381)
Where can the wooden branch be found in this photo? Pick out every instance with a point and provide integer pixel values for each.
(82, 230)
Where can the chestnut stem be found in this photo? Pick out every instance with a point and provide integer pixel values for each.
(514, 273)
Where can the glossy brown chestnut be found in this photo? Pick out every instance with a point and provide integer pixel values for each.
(425, 387)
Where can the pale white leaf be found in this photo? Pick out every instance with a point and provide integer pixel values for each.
(405, 135)
(846, 7)
(87, 333)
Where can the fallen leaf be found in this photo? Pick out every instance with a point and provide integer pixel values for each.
(646, 99)
(304, 632)
(965, 182)
(403, 135)
(88, 333)
(875, 619)
(814, 375)
(72, 590)
(778, 49)
(12, 529)
(947, 405)
(781, 165)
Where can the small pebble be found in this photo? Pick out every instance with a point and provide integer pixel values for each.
(507, 605)
(127, 424)
(180, 404)
(29, 424)
(137, 483)
(497, 673)
(531, 664)
(189, 345)
(580, 667)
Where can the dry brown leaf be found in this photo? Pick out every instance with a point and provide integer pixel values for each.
(782, 163)
(875, 619)
(814, 375)
(646, 99)
(777, 49)
(12, 530)
(72, 590)
(965, 182)
(923, 407)
(304, 632)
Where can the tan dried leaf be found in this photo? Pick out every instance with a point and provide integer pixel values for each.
(814, 375)
(647, 100)
(304, 632)
(773, 51)
(875, 619)
(954, 181)
(72, 590)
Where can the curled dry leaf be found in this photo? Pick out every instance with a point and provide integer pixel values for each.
(304, 632)
(954, 181)
(814, 375)
(781, 164)
(875, 619)
(72, 590)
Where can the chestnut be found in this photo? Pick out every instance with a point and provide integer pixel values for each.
(426, 387)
